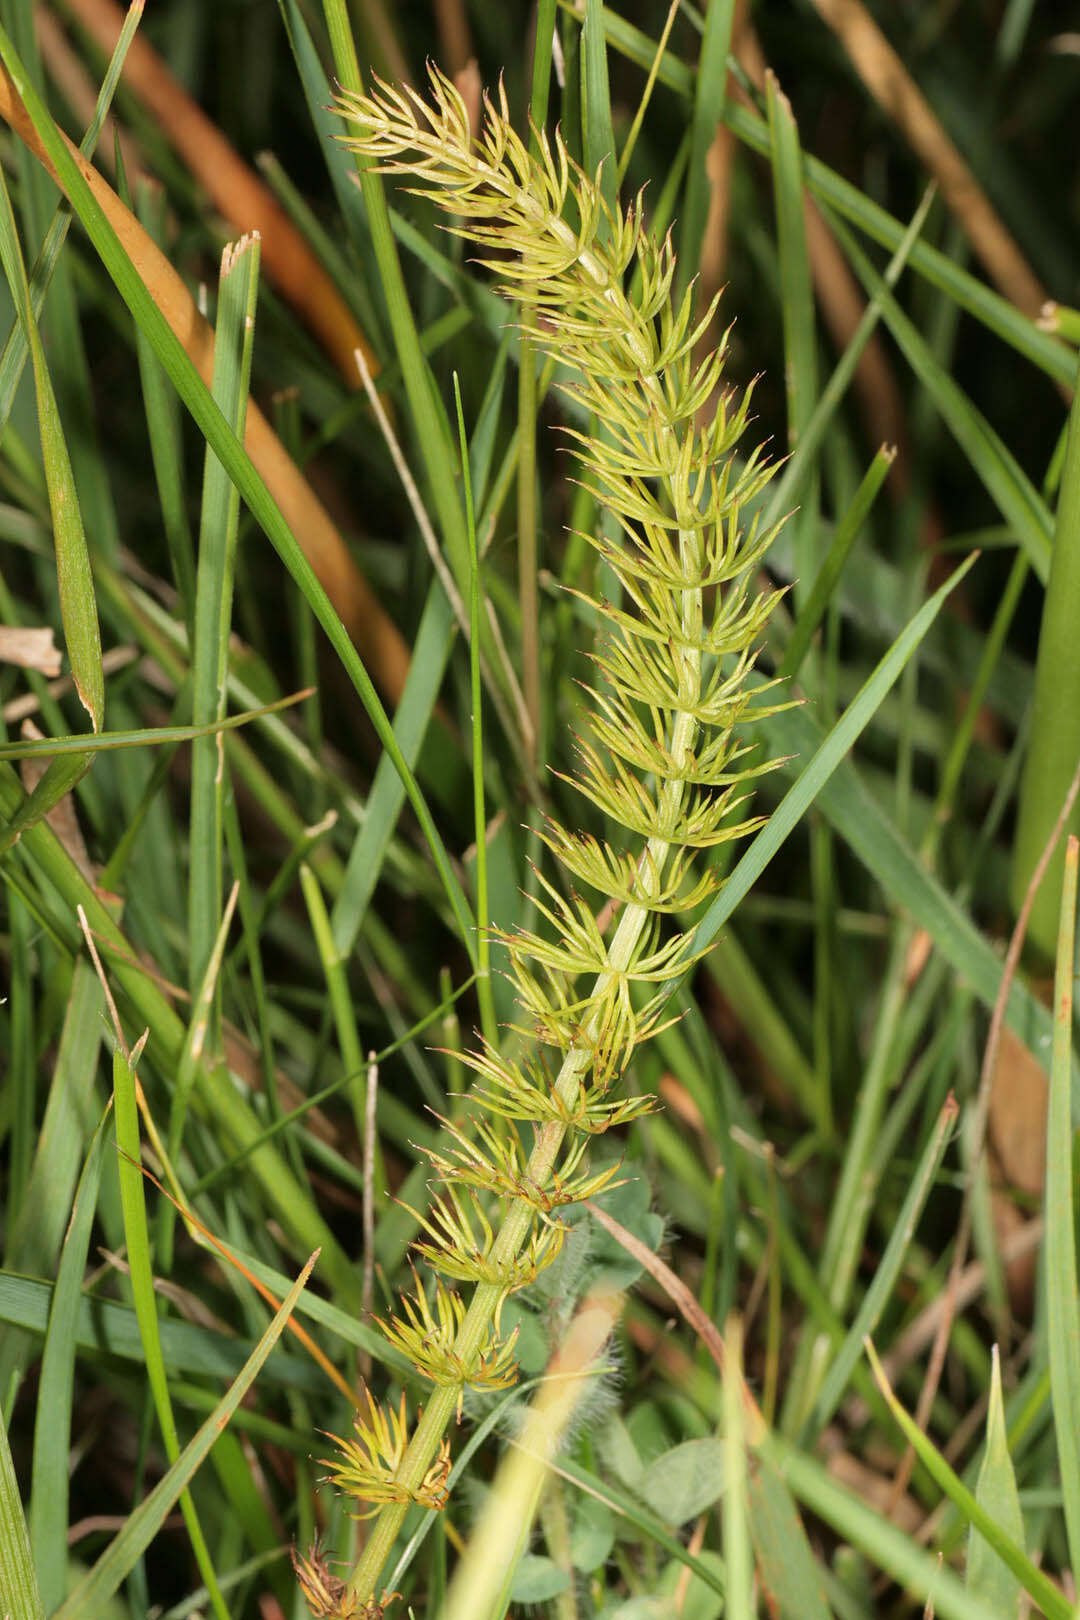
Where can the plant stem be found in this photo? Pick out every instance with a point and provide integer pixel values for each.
(515, 1228)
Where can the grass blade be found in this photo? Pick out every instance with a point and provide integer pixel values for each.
(815, 775)
(216, 567)
(52, 1427)
(1055, 722)
(142, 1525)
(996, 1492)
(136, 1231)
(19, 1595)
(790, 1574)
(847, 531)
(1062, 1295)
(599, 136)
(1052, 1602)
(877, 1295)
(798, 315)
(709, 92)
(186, 380)
(78, 607)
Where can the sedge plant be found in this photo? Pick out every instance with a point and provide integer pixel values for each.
(664, 759)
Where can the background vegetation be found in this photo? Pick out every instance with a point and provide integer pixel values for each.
(859, 1096)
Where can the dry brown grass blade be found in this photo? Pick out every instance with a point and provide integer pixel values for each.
(884, 75)
(234, 188)
(378, 639)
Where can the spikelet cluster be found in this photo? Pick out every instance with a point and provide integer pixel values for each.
(663, 760)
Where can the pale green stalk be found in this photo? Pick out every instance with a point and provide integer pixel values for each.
(644, 774)
(442, 1402)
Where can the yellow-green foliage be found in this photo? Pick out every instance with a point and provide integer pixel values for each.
(663, 758)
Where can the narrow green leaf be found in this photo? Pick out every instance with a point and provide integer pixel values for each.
(814, 776)
(19, 1595)
(223, 441)
(141, 1526)
(996, 1493)
(35, 1242)
(1062, 1291)
(140, 739)
(215, 571)
(817, 599)
(58, 779)
(163, 421)
(136, 1232)
(1053, 1603)
(78, 606)
(431, 650)
(596, 103)
(798, 316)
(1055, 722)
(488, 1020)
(877, 1295)
(710, 87)
(738, 1552)
(52, 1426)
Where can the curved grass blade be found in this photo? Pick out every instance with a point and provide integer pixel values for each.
(1049, 1598)
(52, 1426)
(142, 1525)
(813, 778)
(230, 452)
(143, 739)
